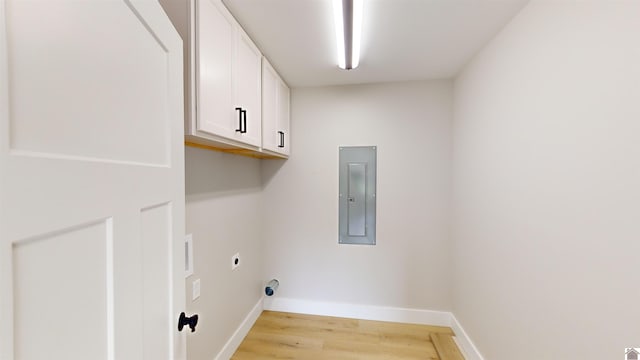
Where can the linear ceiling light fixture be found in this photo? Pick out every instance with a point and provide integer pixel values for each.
(348, 19)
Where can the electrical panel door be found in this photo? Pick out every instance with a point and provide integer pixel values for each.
(357, 195)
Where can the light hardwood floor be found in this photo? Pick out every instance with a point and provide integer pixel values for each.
(277, 335)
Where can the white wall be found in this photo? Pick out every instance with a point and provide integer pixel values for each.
(547, 184)
(223, 214)
(410, 265)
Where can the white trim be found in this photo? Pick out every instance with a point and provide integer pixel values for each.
(188, 255)
(111, 332)
(54, 156)
(364, 312)
(236, 339)
(464, 342)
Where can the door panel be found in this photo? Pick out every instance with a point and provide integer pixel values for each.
(92, 187)
(155, 229)
(49, 62)
(284, 96)
(275, 111)
(214, 47)
(248, 75)
(77, 285)
(269, 108)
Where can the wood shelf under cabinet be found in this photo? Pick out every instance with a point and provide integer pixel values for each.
(234, 150)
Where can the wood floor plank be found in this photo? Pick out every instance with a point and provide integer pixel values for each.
(350, 350)
(278, 335)
(446, 347)
(402, 328)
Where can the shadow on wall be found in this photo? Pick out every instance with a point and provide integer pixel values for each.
(214, 174)
(269, 169)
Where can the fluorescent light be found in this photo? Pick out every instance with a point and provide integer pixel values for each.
(357, 33)
(348, 21)
(337, 15)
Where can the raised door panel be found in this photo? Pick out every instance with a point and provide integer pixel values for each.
(247, 80)
(270, 136)
(215, 31)
(283, 124)
(48, 323)
(156, 241)
(60, 72)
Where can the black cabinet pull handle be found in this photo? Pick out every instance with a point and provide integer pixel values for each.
(244, 121)
(281, 139)
(239, 110)
(189, 321)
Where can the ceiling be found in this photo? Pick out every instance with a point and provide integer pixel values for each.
(401, 39)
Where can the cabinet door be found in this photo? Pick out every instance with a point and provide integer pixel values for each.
(283, 117)
(270, 136)
(247, 79)
(275, 111)
(215, 31)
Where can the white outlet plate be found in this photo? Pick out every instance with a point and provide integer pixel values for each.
(235, 261)
(196, 289)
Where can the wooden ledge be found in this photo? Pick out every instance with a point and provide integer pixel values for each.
(235, 151)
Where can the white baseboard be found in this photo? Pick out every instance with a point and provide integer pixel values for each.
(364, 312)
(236, 339)
(378, 313)
(464, 342)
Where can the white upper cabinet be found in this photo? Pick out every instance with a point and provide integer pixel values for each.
(224, 94)
(227, 79)
(275, 111)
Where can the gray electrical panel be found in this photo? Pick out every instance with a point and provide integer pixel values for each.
(357, 197)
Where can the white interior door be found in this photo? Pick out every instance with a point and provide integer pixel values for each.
(91, 186)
